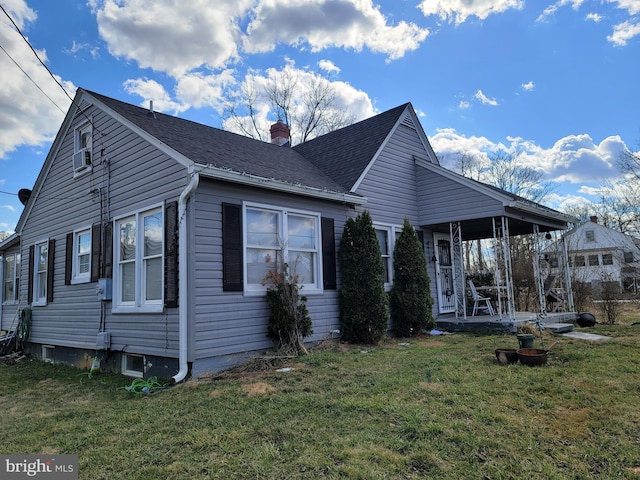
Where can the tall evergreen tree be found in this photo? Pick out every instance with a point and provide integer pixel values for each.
(410, 298)
(364, 312)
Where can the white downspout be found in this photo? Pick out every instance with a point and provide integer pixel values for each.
(183, 271)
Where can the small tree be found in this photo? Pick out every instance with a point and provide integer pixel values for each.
(364, 313)
(289, 323)
(411, 293)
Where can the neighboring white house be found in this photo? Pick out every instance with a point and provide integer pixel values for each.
(597, 255)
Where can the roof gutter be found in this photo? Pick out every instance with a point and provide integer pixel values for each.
(183, 312)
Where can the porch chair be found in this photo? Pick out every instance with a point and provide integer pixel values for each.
(478, 300)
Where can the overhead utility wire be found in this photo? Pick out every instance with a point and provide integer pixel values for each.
(32, 80)
(46, 68)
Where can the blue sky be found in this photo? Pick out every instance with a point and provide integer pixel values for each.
(555, 81)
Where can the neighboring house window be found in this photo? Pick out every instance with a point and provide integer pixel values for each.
(570, 261)
(138, 276)
(580, 261)
(274, 235)
(82, 152)
(628, 257)
(40, 267)
(607, 259)
(11, 277)
(594, 260)
(590, 235)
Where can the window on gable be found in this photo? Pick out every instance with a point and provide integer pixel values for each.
(139, 247)
(274, 235)
(11, 278)
(82, 150)
(590, 235)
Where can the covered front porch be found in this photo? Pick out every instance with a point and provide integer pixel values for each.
(492, 218)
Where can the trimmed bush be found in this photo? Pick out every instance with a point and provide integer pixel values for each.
(364, 312)
(410, 298)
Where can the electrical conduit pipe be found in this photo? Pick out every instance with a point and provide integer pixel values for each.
(183, 311)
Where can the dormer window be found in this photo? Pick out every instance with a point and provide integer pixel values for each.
(590, 235)
(82, 151)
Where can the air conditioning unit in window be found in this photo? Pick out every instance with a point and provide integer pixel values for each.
(81, 160)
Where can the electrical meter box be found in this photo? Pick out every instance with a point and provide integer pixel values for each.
(103, 289)
(103, 341)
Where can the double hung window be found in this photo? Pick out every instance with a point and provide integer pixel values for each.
(139, 247)
(40, 268)
(11, 280)
(274, 236)
(81, 256)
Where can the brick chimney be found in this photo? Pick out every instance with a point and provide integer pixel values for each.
(593, 218)
(280, 133)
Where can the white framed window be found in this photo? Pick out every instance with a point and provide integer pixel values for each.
(133, 365)
(607, 259)
(387, 236)
(82, 153)
(273, 235)
(590, 235)
(81, 261)
(138, 255)
(40, 264)
(11, 278)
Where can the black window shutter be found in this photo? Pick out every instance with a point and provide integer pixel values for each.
(421, 238)
(32, 252)
(50, 265)
(68, 259)
(95, 251)
(171, 255)
(107, 266)
(232, 267)
(328, 254)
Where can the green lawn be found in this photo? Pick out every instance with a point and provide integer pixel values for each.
(440, 407)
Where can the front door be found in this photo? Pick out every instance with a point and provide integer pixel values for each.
(444, 273)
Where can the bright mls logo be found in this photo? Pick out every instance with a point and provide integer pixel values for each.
(59, 467)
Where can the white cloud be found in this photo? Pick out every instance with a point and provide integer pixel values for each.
(527, 87)
(463, 105)
(178, 37)
(11, 208)
(459, 10)
(595, 17)
(485, 100)
(623, 32)
(32, 120)
(169, 36)
(328, 66)
(321, 24)
(77, 48)
(150, 90)
(198, 90)
(574, 159)
(632, 6)
(551, 9)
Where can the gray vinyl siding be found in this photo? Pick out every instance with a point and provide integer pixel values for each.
(390, 184)
(391, 188)
(226, 323)
(441, 200)
(135, 175)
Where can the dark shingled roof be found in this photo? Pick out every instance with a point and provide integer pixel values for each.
(219, 148)
(344, 154)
